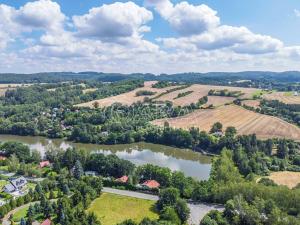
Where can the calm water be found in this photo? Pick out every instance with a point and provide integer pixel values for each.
(191, 163)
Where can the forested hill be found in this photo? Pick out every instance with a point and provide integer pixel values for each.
(211, 78)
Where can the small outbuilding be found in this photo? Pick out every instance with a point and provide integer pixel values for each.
(151, 184)
(44, 164)
(123, 179)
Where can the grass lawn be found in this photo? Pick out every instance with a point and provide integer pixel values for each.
(111, 209)
(2, 184)
(20, 214)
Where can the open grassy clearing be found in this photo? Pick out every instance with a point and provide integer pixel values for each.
(245, 121)
(288, 178)
(2, 184)
(20, 214)
(199, 91)
(127, 98)
(112, 209)
(88, 90)
(285, 97)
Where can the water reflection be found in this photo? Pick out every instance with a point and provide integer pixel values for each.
(191, 163)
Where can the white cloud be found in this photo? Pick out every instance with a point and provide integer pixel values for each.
(185, 18)
(42, 14)
(201, 30)
(297, 12)
(114, 21)
(236, 39)
(109, 38)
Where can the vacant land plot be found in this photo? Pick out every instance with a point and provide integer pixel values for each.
(284, 97)
(252, 103)
(245, 121)
(199, 91)
(112, 209)
(127, 98)
(288, 178)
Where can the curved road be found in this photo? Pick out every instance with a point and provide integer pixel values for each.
(198, 210)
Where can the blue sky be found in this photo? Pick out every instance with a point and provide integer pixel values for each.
(159, 36)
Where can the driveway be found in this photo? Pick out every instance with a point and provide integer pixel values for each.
(198, 210)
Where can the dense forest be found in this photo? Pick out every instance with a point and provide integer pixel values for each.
(284, 81)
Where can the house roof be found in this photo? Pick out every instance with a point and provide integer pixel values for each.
(18, 182)
(9, 188)
(44, 164)
(46, 222)
(151, 184)
(123, 179)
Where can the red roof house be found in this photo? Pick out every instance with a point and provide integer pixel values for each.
(44, 164)
(151, 184)
(123, 179)
(46, 222)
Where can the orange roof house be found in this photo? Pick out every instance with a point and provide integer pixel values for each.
(151, 184)
(123, 179)
(46, 222)
(44, 164)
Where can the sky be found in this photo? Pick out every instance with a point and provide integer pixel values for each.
(149, 36)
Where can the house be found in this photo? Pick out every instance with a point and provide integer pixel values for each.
(2, 158)
(122, 179)
(91, 173)
(46, 222)
(150, 184)
(44, 164)
(16, 184)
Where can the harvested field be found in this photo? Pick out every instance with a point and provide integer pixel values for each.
(251, 103)
(5, 87)
(127, 98)
(284, 97)
(200, 91)
(288, 178)
(218, 100)
(245, 121)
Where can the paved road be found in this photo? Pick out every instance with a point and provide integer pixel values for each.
(198, 211)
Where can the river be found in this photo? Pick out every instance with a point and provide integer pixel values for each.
(191, 163)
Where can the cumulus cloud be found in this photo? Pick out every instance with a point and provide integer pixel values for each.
(42, 14)
(185, 18)
(110, 22)
(110, 38)
(201, 30)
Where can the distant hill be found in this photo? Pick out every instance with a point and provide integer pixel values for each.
(208, 78)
